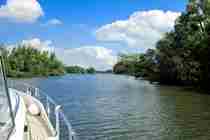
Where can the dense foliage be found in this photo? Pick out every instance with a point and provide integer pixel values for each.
(90, 70)
(75, 69)
(79, 70)
(181, 57)
(25, 61)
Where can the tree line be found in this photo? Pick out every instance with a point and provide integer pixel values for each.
(181, 57)
(26, 61)
(79, 70)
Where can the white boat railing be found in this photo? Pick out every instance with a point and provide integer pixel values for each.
(54, 111)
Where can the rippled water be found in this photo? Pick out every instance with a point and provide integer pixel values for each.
(114, 107)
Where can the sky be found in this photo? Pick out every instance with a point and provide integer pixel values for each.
(89, 33)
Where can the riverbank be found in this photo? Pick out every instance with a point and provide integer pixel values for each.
(185, 87)
(180, 57)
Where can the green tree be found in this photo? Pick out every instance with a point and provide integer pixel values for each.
(181, 57)
(90, 70)
(25, 61)
(75, 69)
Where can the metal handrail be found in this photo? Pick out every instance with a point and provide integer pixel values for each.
(59, 120)
(4, 78)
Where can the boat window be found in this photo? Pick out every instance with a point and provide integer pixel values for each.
(6, 123)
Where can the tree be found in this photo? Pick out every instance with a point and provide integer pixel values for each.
(25, 61)
(75, 69)
(91, 70)
(182, 56)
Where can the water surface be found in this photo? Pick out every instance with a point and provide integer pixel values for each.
(114, 107)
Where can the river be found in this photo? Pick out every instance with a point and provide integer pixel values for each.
(116, 107)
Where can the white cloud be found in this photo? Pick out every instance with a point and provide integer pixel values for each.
(89, 56)
(142, 29)
(35, 43)
(21, 10)
(53, 22)
(38, 44)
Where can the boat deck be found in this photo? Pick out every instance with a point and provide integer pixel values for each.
(37, 126)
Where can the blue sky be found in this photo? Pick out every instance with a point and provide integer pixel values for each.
(99, 12)
(74, 24)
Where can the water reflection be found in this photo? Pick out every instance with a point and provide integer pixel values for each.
(113, 107)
